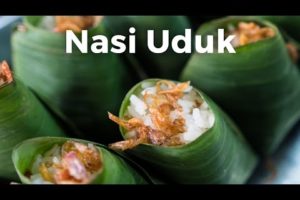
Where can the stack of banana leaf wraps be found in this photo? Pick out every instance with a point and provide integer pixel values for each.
(79, 86)
(57, 160)
(22, 116)
(148, 64)
(258, 86)
(181, 135)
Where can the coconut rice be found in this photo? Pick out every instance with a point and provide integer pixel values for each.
(71, 163)
(166, 113)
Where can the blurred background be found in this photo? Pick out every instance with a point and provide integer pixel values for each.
(7, 23)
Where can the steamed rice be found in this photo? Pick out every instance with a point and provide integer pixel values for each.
(198, 119)
(74, 162)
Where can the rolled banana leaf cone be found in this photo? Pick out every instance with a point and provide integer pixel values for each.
(258, 86)
(112, 168)
(81, 86)
(22, 116)
(220, 155)
(163, 65)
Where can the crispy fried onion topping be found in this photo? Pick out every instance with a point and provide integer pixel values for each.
(5, 74)
(249, 32)
(78, 163)
(159, 105)
(293, 52)
(75, 23)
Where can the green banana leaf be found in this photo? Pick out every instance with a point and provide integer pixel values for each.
(115, 169)
(258, 86)
(83, 87)
(164, 65)
(221, 155)
(22, 116)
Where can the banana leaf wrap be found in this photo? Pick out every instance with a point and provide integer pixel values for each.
(116, 170)
(220, 155)
(22, 116)
(258, 86)
(80, 86)
(163, 65)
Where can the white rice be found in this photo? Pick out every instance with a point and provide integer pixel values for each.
(51, 156)
(197, 119)
(138, 105)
